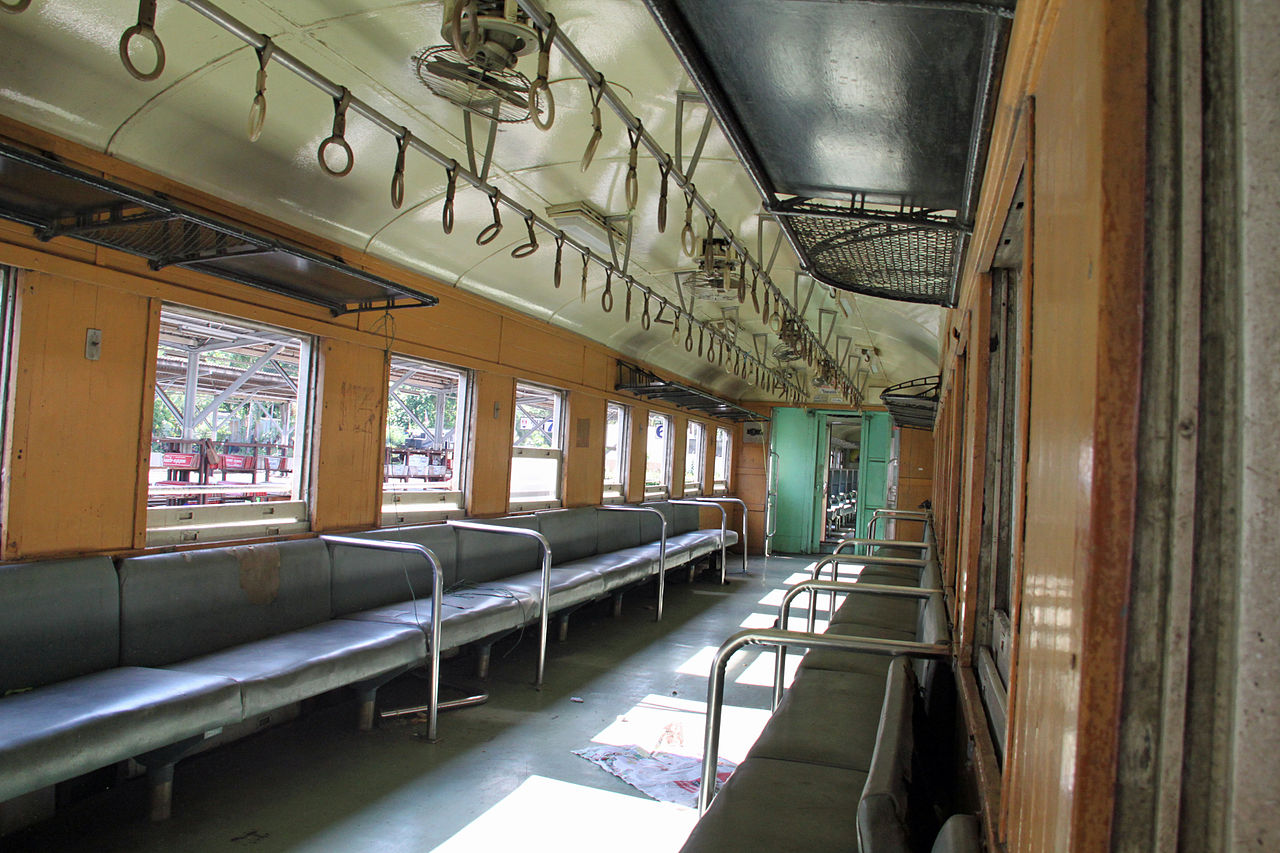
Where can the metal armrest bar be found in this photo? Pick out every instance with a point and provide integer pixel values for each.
(784, 611)
(925, 516)
(662, 548)
(783, 639)
(545, 548)
(883, 543)
(740, 502)
(437, 593)
(724, 521)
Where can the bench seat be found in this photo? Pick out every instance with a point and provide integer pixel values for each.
(571, 585)
(620, 568)
(62, 730)
(467, 615)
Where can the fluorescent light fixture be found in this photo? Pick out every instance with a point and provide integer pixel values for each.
(582, 222)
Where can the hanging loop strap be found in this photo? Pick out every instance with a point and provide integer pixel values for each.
(490, 232)
(675, 324)
(606, 297)
(338, 138)
(633, 180)
(146, 28)
(586, 263)
(688, 336)
(397, 177)
(258, 109)
(755, 291)
(626, 314)
(468, 46)
(530, 246)
(664, 172)
(686, 233)
(645, 320)
(451, 187)
(597, 133)
(559, 257)
(540, 90)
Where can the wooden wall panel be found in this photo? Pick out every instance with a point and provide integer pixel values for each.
(534, 350)
(636, 458)
(490, 488)
(679, 425)
(73, 457)
(349, 436)
(749, 484)
(584, 464)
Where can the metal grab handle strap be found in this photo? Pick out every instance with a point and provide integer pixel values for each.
(740, 502)
(662, 547)
(784, 611)
(783, 639)
(437, 593)
(545, 547)
(146, 27)
(724, 522)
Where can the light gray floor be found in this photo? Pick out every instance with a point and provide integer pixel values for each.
(501, 776)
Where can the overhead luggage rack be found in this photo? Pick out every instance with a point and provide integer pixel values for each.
(639, 381)
(58, 201)
(913, 403)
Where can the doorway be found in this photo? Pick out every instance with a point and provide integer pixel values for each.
(844, 449)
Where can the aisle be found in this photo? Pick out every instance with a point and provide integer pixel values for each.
(502, 775)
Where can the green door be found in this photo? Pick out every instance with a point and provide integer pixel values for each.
(873, 466)
(795, 440)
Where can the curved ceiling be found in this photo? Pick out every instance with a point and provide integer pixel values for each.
(61, 73)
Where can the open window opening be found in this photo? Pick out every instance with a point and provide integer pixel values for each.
(695, 457)
(423, 469)
(844, 447)
(720, 464)
(230, 427)
(537, 453)
(657, 460)
(617, 434)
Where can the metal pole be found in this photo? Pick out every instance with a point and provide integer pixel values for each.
(724, 518)
(743, 504)
(662, 547)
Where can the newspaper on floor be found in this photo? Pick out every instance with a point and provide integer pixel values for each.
(663, 776)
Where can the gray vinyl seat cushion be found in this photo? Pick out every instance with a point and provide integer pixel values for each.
(883, 806)
(825, 719)
(65, 729)
(571, 585)
(850, 661)
(620, 568)
(960, 834)
(298, 664)
(750, 814)
(467, 615)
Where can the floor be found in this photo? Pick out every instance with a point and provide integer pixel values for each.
(501, 775)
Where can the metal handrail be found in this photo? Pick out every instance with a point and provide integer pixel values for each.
(925, 516)
(868, 544)
(835, 560)
(724, 521)
(782, 639)
(662, 549)
(784, 611)
(770, 501)
(437, 593)
(545, 547)
(743, 543)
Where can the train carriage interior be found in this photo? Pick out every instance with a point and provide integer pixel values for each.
(753, 425)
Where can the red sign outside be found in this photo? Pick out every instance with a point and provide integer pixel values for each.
(181, 461)
(236, 463)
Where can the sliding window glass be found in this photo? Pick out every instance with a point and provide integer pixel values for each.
(617, 432)
(230, 429)
(537, 453)
(695, 457)
(422, 473)
(657, 460)
(720, 465)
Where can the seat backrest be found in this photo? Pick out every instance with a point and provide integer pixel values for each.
(363, 578)
(685, 518)
(934, 675)
(882, 809)
(960, 834)
(573, 533)
(183, 604)
(484, 557)
(651, 527)
(58, 619)
(618, 529)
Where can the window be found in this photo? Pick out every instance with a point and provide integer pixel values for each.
(537, 449)
(657, 460)
(422, 472)
(616, 443)
(230, 426)
(695, 457)
(720, 465)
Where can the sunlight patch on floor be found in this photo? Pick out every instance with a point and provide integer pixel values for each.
(547, 814)
(671, 724)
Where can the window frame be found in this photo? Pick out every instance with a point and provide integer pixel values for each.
(720, 486)
(560, 409)
(225, 522)
(659, 491)
(616, 492)
(700, 463)
(407, 506)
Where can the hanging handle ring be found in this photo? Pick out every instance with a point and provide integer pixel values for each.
(633, 180)
(397, 177)
(491, 231)
(527, 248)
(664, 172)
(597, 91)
(540, 91)
(468, 46)
(451, 187)
(582, 297)
(15, 7)
(258, 109)
(606, 298)
(146, 29)
(338, 138)
(686, 233)
(559, 258)
(645, 319)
